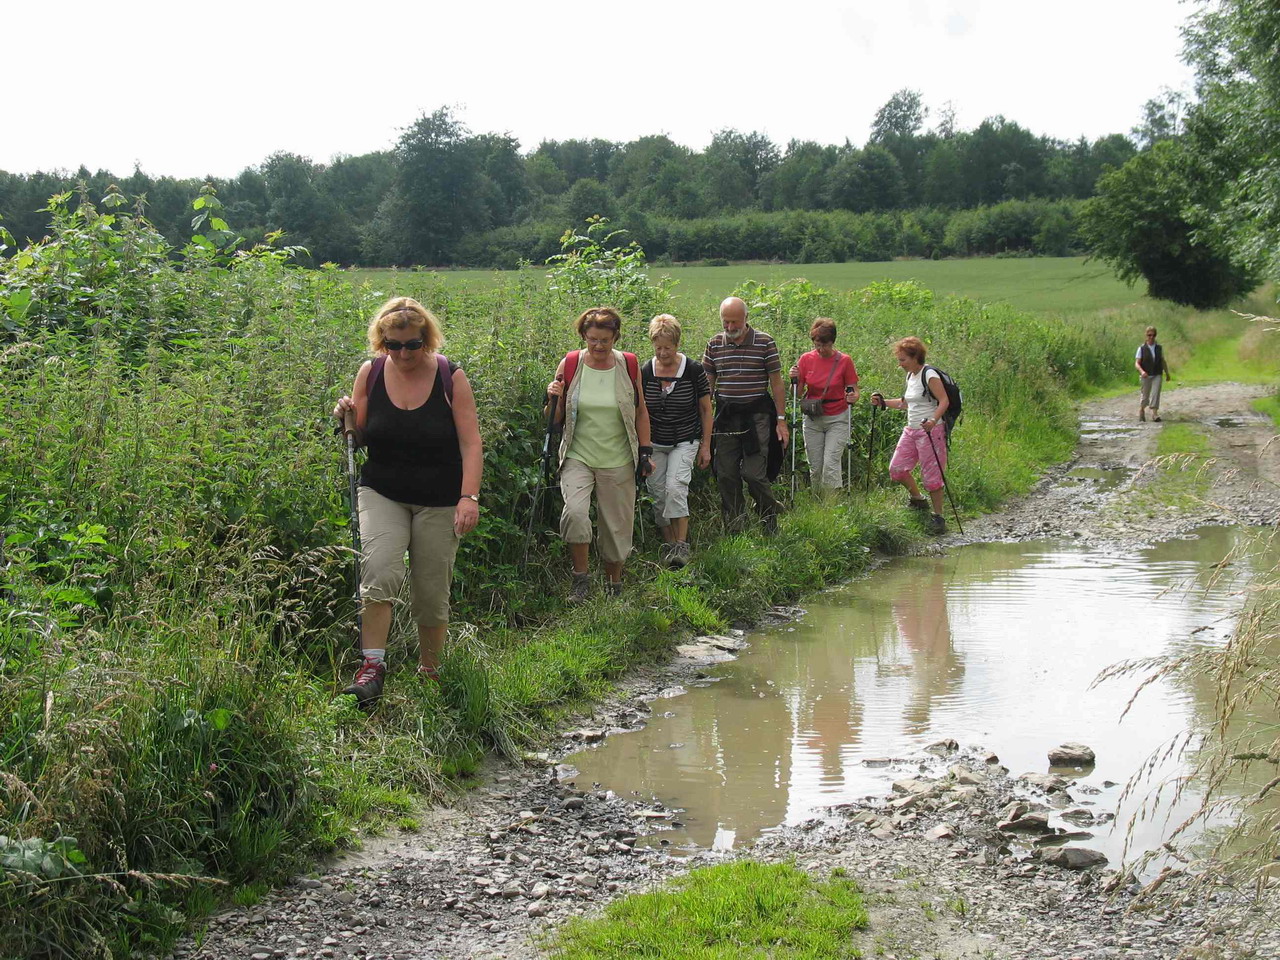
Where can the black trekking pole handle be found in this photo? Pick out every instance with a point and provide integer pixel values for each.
(945, 486)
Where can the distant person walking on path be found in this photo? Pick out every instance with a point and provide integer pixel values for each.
(745, 374)
(678, 398)
(420, 486)
(925, 400)
(1151, 366)
(605, 447)
(830, 384)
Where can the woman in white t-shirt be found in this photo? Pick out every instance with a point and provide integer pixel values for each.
(925, 401)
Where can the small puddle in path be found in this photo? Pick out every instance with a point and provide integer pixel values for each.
(1099, 477)
(995, 645)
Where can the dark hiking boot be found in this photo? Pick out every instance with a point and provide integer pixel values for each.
(1142, 416)
(581, 588)
(614, 588)
(1156, 418)
(937, 525)
(664, 553)
(367, 686)
(679, 554)
(918, 503)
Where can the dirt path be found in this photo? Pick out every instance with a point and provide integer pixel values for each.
(512, 860)
(1086, 498)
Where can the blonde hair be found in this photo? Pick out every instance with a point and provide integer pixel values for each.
(400, 313)
(913, 347)
(665, 325)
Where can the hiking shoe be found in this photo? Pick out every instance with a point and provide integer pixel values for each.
(917, 503)
(1156, 418)
(1142, 416)
(937, 525)
(664, 553)
(429, 673)
(679, 554)
(581, 588)
(614, 587)
(367, 686)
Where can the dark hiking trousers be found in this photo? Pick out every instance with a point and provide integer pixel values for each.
(735, 464)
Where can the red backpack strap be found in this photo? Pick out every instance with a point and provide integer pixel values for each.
(570, 367)
(375, 372)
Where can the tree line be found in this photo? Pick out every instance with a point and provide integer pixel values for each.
(444, 195)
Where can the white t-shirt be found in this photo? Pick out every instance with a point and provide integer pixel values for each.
(920, 403)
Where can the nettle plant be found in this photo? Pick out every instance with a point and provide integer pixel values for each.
(601, 268)
(98, 270)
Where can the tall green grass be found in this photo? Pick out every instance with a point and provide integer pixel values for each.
(176, 615)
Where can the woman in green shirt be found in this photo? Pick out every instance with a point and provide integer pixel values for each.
(605, 446)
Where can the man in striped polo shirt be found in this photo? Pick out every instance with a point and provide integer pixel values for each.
(745, 374)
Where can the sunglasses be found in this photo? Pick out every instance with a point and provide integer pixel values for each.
(408, 345)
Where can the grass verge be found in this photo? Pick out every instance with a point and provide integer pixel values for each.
(737, 910)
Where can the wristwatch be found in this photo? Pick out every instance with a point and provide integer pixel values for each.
(782, 416)
(475, 497)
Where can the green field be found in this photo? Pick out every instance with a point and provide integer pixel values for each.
(1042, 284)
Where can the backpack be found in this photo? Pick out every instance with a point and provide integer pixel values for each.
(446, 380)
(955, 399)
(571, 368)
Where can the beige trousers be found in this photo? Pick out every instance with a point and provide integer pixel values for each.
(389, 529)
(615, 490)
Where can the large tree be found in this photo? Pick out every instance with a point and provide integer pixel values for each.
(1150, 221)
(1234, 46)
(438, 183)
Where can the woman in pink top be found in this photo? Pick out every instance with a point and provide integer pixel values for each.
(827, 374)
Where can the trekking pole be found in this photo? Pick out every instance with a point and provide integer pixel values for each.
(535, 507)
(871, 446)
(349, 432)
(795, 426)
(946, 486)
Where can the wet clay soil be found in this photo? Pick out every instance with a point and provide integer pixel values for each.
(512, 860)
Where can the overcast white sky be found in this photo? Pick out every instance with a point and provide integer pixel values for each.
(190, 90)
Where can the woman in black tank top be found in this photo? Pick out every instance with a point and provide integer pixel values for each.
(420, 486)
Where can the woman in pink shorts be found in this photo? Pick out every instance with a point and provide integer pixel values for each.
(925, 401)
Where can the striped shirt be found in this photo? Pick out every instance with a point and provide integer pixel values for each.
(673, 402)
(742, 369)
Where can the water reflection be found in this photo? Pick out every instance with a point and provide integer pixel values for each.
(995, 644)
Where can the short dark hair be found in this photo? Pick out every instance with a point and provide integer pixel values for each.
(606, 318)
(824, 328)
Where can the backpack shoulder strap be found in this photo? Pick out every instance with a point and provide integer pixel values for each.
(570, 367)
(633, 371)
(375, 373)
(446, 369)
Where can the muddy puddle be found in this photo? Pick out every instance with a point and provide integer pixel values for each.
(995, 645)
